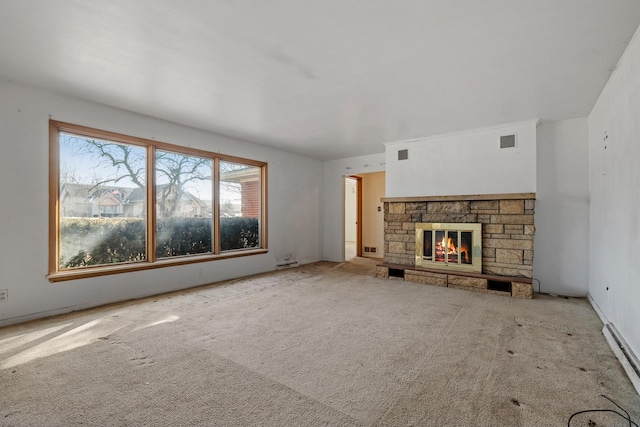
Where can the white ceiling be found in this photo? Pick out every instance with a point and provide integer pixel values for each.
(327, 79)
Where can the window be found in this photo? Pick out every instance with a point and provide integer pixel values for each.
(119, 203)
(240, 210)
(183, 203)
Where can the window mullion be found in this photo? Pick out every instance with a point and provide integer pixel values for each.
(263, 207)
(151, 204)
(215, 216)
(54, 198)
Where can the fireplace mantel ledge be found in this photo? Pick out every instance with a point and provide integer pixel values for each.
(471, 197)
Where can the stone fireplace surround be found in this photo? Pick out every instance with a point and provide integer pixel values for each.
(507, 240)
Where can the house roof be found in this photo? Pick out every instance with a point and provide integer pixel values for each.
(240, 175)
(327, 79)
(88, 193)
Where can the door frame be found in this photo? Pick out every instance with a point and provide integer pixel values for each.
(358, 180)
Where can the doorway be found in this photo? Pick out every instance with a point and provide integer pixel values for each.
(352, 217)
(364, 215)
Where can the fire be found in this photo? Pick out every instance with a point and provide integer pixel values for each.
(449, 248)
(449, 245)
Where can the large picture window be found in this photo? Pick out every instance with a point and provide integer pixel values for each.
(120, 203)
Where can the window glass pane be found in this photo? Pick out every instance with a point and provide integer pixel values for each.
(427, 251)
(466, 244)
(240, 208)
(102, 202)
(452, 246)
(183, 204)
(440, 249)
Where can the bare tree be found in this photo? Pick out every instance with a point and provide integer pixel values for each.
(128, 162)
(70, 175)
(174, 171)
(230, 186)
(178, 170)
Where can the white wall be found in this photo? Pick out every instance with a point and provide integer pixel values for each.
(562, 207)
(373, 189)
(294, 206)
(468, 162)
(614, 185)
(333, 199)
(550, 159)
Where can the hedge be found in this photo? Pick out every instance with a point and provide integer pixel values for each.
(239, 233)
(96, 241)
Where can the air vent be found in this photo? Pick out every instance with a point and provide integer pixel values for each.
(374, 250)
(367, 249)
(403, 154)
(507, 141)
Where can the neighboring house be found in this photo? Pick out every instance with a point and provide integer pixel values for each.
(248, 180)
(80, 200)
(188, 206)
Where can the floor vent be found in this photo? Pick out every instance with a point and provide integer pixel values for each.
(286, 264)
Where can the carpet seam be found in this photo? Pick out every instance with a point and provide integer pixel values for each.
(420, 367)
(350, 417)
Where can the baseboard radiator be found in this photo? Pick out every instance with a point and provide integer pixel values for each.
(625, 355)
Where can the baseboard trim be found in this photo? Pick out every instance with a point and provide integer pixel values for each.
(599, 312)
(620, 348)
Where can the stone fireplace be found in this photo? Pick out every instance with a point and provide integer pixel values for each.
(424, 239)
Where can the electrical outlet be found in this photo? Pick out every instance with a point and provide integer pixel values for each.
(4, 294)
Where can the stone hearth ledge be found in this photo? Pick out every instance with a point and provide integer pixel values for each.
(468, 197)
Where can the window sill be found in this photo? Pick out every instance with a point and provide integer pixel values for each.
(83, 273)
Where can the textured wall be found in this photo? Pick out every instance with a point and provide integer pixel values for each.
(614, 210)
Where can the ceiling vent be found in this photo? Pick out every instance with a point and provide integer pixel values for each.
(403, 154)
(507, 141)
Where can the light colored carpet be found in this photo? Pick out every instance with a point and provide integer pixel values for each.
(322, 344)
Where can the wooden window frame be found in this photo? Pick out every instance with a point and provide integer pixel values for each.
(151, 262)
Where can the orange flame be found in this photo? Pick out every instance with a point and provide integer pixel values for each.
(451, 248)
(446, 248)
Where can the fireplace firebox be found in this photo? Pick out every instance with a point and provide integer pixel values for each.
(449, 246)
